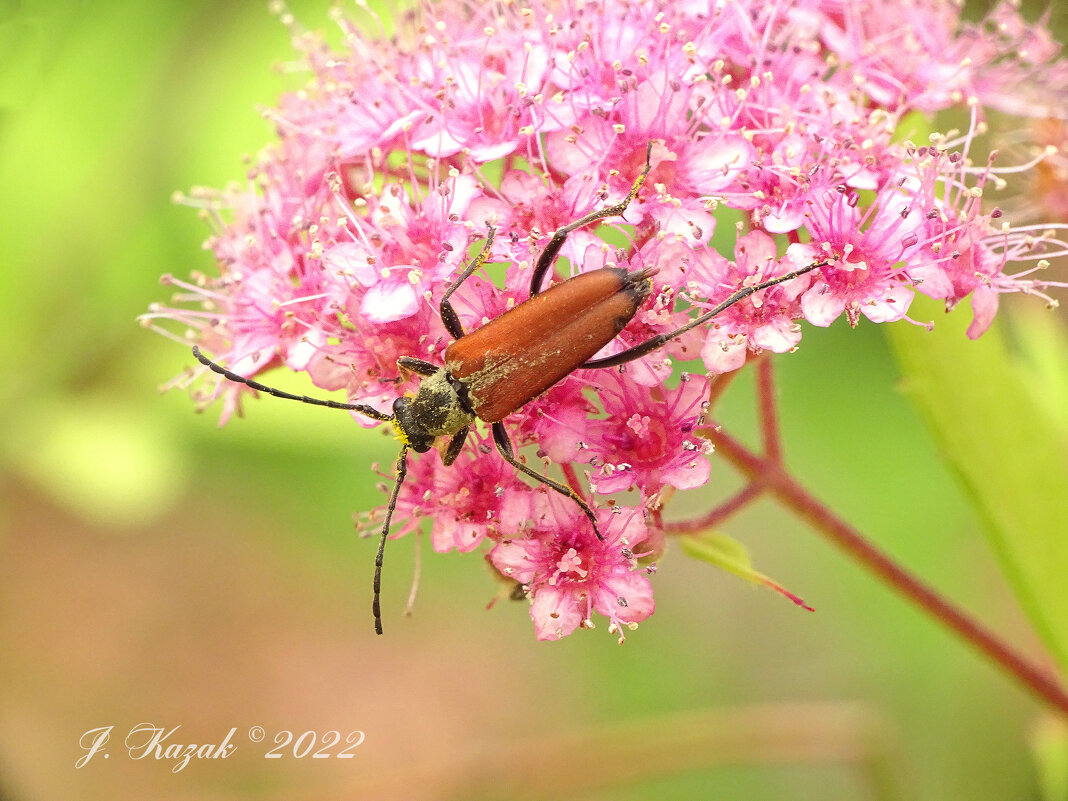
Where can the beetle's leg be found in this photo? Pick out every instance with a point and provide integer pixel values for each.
(504, 446)
(547, 256)
(230, 375)
(448, 313)
(636, 352)
(402, 471)
(417, 366)
(456, 444)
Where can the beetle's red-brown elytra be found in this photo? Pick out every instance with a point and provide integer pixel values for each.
(517, 356)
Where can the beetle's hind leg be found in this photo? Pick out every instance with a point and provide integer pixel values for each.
(504, 447)
(547, 256)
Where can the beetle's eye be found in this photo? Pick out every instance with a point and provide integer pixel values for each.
(413, 429)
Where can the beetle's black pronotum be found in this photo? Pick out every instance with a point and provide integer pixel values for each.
(498, 368)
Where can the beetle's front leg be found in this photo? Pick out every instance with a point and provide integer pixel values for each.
(545, 260)
(410, 364)
(448, 313)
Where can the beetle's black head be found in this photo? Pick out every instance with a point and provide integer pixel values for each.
(410, 427)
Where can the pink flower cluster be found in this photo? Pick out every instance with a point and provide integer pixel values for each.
(399, 152)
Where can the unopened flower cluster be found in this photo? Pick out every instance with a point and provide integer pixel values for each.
(777, 121)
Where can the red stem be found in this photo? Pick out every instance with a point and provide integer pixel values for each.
(769, 419)
(768, 474)
(735, 503)
(572, 478)
(719, 386)
(774, 479)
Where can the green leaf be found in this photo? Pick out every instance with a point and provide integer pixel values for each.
(1049, 744)
(1044, 351)
(730, 555)
(1007, 450)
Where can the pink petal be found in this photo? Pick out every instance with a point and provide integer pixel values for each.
(717, 164)
(788, 217)
(634, 588)
(755, 248)
(693, 473)
(388, 302)
(301, 352)
(984, 307)
(555, 613)
(722, 353)
(611, 482)
(513, 560)
(514, 510)
(779, 335)
(436, 142)
(821, 306)
(932, 280)
(449, 533)
(351, 259)
(693, 226)
(893, 305)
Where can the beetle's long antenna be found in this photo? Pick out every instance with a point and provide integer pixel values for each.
(630, 354)
(230, 375)
(402, 471)
(402, 459)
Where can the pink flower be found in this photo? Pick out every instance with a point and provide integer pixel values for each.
(764, 320)
(474, 498)
(401, 252)
(962, 251)
(865, 246)
(648, 441)
(568, 573)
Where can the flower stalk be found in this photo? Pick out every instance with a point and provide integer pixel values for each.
(767, 474)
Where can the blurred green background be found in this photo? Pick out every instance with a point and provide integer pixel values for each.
(156, 568)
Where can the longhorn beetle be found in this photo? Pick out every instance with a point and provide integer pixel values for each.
(500, 367)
